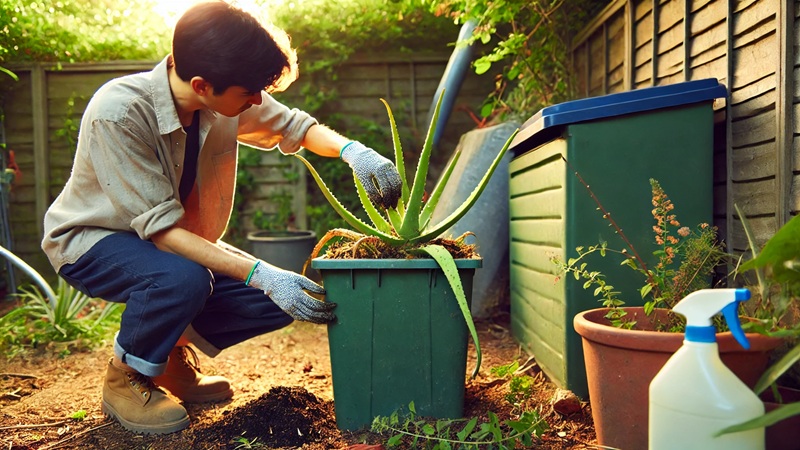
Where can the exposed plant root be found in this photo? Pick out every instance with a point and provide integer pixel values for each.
(371, 242)
(336, 232)
(354, 245)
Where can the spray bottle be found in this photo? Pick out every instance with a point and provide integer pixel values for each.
(695, 395)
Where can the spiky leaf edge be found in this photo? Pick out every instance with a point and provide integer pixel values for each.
(399, 160)
(433, 200)
(373, 213)
(448, 266)
(410, 228)
(439, 228)
(354, 221)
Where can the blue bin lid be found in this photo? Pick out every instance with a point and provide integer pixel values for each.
(540, 127)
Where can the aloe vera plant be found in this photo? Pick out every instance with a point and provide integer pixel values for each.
(408, 225)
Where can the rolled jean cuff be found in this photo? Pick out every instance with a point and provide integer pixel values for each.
(138, 364)
(200, 342)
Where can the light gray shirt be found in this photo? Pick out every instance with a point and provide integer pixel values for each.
(129, 162)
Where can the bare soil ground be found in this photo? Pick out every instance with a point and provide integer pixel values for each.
(283, 399)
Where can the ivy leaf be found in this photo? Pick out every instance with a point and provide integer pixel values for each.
(462, 435)
(394, 440)
(482, 66)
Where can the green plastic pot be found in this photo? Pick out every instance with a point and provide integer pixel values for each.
(399, 337)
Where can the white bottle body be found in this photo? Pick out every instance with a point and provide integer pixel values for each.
(694, 396)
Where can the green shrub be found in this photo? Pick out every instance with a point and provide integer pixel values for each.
(76, 321)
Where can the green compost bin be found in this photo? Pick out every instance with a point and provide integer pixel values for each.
(399, 337)
(616, 143)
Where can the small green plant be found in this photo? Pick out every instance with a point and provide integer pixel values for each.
(78, 415)
(444, 434)
(244, 443)
(75, 319)
(775, 287)
(777, 265)
(407, 228)
(520, 386)
(685, 261)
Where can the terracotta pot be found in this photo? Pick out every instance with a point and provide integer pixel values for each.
(621, 363)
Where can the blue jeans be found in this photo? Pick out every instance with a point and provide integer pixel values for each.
(167, 295)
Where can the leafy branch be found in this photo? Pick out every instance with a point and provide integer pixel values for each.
(445, 434)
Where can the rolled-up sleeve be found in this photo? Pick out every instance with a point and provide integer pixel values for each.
(272, 124)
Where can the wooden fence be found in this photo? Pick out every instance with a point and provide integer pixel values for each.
(43, 109)
(752, 47)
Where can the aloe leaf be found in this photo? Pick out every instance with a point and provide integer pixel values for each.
(448, 266)
(354, 221)
(398, 151)
(770, 418)
(395, 216)
(374, 215)
(410, 228)
(473, 197)
(433, 200)
(774, 372)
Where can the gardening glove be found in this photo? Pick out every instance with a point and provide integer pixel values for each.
(377, 174)
(286, 289)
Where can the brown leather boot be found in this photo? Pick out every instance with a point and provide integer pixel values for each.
(184, 380)
(140, 406)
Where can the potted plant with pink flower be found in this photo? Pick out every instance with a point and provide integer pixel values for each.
(624, 347)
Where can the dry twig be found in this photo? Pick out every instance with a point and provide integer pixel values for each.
(33, 425)
(61, 443)
(17, 375)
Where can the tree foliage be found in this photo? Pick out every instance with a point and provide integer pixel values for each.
(80, 30)
(529, 41)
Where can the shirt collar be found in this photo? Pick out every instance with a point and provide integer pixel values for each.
(166, 113)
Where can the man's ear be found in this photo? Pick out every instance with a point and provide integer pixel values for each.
(201, 86)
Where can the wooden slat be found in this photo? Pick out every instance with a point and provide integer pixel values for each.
(783, 106)
(755, 198)
(751, 16)
(42, 168)
(753, 130)
(547, 233)
(763, 228)
(754, 162)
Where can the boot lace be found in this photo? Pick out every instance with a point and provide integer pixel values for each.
(189, 358)
(141, 383)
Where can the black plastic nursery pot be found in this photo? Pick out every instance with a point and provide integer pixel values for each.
(285, 249)
(399, 337)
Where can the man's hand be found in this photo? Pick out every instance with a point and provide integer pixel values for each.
(286, 289)
(377, 174)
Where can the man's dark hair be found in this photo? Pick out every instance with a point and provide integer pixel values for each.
(227, 47)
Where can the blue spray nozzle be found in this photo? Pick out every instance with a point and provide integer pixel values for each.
(731, 314)
(700, 306)
(742, 295)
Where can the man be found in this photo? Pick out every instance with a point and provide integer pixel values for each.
(141, 216)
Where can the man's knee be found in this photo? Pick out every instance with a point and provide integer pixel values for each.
(191, 282)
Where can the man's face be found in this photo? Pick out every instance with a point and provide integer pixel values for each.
(234, 101)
